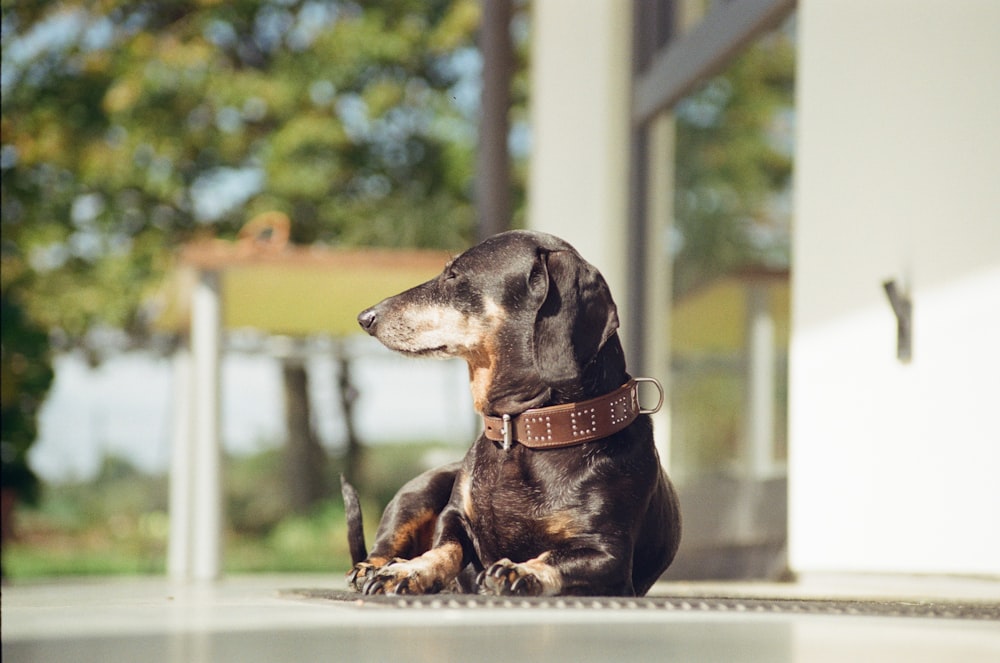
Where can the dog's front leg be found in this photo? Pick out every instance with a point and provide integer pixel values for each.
(408, 525)
(430, 572)
(426, 574)
(535, 577)
(561, 572)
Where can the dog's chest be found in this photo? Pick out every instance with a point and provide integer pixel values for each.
(516, 511)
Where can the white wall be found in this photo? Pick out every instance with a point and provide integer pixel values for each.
(893, 467)
(578, 188)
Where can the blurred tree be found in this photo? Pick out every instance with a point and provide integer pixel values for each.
(25, 377)
(305, 460)
(733, 165)
(130, 127)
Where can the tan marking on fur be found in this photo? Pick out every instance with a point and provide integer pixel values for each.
(480, 378)
(494, 312)
(421, 328)
(436, 567)
(560, 525)
(447, 556)
(465, 489)
(482, 359)
(548, 575)
(415, 536)
(449, 333)
(441, 328)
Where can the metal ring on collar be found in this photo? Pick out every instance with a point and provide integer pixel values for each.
(659, 387)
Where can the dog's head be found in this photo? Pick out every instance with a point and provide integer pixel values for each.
(523, 308)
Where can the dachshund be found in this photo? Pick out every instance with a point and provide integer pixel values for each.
(586, 510)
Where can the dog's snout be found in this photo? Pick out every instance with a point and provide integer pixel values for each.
(367, 319)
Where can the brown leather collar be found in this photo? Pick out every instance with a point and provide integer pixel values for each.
(573, 423)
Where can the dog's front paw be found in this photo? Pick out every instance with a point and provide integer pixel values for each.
(506, 578)
(403, 577)
(361, 573)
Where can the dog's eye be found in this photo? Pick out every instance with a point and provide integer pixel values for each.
(450, 275)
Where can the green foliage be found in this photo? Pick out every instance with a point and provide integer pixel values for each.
(117, 523)
(732, 165)
(130, 127)
(733, 170)
(123, 122)
(25, 377)
(315, 542)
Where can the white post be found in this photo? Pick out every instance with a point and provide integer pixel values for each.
(758, 435)
(206, 333)
(581, 58)
(659, 268)
(181, 468)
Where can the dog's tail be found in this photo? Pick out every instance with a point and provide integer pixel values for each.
(355, 526)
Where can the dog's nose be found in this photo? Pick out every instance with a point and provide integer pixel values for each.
(367, 320)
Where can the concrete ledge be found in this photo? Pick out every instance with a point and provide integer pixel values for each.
(264, 618)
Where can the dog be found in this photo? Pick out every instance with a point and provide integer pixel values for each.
(590, 513)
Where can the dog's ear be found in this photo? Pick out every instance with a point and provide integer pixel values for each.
(577, 315)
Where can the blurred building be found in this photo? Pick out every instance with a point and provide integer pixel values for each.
(893, 370)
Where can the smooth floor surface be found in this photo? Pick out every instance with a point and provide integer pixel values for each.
(249, 619)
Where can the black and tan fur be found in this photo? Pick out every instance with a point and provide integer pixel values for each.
(537, 326)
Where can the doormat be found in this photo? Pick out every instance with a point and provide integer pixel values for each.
(852, 607)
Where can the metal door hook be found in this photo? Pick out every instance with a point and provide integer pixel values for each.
(903, 308)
